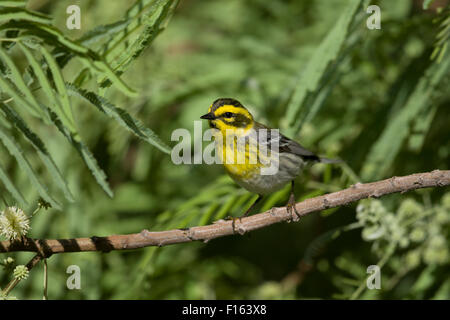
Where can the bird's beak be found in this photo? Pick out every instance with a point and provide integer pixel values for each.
(208, 116)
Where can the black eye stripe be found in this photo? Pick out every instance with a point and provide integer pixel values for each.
(235, 119)
(227, 114)
(240, 121)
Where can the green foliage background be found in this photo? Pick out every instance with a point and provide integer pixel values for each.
(88, 114)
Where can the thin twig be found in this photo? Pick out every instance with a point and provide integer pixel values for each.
(436, 178)
(45, 297)
(389, 251)
(13, 283)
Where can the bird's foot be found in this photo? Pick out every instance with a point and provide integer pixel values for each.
(233, 223)
(290, 207)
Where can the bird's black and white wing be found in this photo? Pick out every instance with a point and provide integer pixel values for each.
(285, 145)
(288, 145)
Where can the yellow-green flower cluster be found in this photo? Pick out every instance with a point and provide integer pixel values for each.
(21, 272)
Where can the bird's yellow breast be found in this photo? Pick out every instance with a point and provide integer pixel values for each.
(240, 160)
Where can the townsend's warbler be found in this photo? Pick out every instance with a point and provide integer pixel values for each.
(256, 157)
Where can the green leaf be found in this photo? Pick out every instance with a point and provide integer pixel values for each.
(47, 33)
(60, 86)
(11, 188)
(315, 68)
(84, 152)
(37, 143)
(13, 3)
(317, 245)
(421, 127)
(7, 14)
(443, 36)
(134, 17)
(424, 281)
(388, 145)
(153, 22)
(442, 292)
(317, 104)
(152, 29)
(114, 78)
(15, 151)
(20, 84)
(103, 31)
(8, 88)
(47, 88)
(122, 117)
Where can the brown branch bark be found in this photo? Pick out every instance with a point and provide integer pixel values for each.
(45, 248)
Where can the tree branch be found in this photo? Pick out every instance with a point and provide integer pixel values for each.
(45, 248)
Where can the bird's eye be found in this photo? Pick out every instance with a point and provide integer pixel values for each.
(228, 114)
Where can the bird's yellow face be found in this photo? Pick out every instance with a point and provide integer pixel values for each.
(228, 116)
(232, 121)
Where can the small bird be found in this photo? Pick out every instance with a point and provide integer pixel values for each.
(232, 122)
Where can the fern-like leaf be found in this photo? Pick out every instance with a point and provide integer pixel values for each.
(66, 108)
(7, 87)
(17, 153)
(39, 145)
(9, 185)
(134, 17)
(84, 152)
(327, 51)
(121, 116)
(47, 87)
(153, 23)
(20, 84)
(7, 14)
(153, 26)
(13, 3)
(443, 36)
(386, 148)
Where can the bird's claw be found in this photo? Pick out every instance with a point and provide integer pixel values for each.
(233, 223)
(291, 207)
